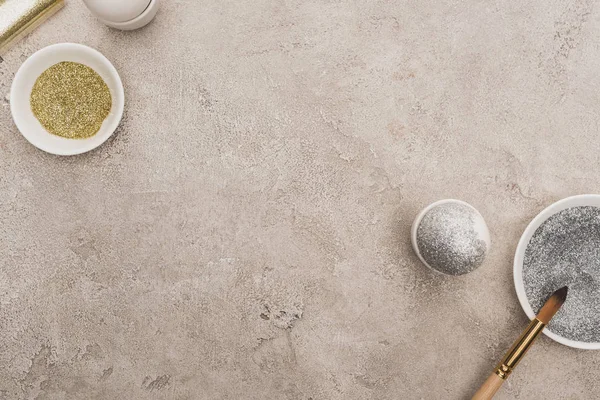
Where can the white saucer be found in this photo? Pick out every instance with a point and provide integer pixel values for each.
(23, 83)
(574, 201)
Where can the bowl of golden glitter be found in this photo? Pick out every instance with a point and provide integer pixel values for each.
(67, 99)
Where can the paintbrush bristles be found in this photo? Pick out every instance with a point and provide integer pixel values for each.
(552, 305)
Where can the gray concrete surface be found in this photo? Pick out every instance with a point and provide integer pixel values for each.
(245, 234)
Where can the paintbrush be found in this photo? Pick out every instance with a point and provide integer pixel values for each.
(520, 347)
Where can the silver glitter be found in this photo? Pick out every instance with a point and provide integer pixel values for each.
(450, 238)
(565, 250)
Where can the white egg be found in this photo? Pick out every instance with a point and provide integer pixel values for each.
(123, 14)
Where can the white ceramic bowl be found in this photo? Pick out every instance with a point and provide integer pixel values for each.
(23, 83)
(575, 201)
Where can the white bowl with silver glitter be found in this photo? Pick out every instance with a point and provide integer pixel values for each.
(26, 77)
(450, 237)
(561, 247)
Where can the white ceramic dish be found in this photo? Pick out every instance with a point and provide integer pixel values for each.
(23, 83)
(575, 201)
(419, 217)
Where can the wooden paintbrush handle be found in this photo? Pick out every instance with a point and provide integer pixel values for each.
(489, 388)
(520, 347)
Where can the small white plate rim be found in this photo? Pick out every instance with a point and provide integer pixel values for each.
(109, 73)
(573, 201)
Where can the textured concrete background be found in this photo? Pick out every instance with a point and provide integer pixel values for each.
(245, 234)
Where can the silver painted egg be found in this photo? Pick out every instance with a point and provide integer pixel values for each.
(451, 237)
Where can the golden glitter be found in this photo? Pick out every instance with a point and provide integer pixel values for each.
(19, 17)
(71, 100)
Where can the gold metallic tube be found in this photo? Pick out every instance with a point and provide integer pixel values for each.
(20, 17)
(519, 348)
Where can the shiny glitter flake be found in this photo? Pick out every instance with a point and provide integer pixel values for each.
(71, 100)
(565, 250)
(450, 239)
